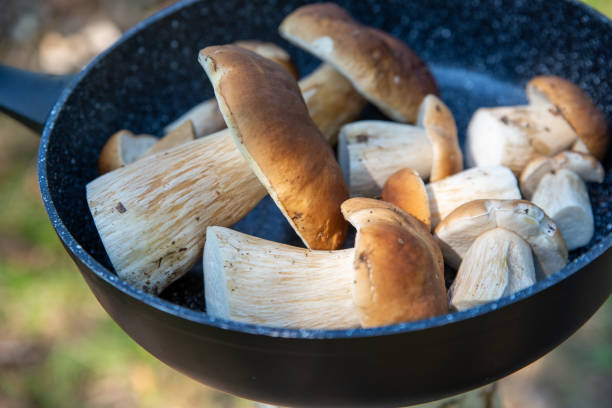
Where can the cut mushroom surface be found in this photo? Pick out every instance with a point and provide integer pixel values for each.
(394, 274)
(123, 148)
(456, 233)
(269, 120)
(497, 264)
(556, 185)
(381, 67)
(496, 182)
(559, 116)
(370, 151)
(152, 214)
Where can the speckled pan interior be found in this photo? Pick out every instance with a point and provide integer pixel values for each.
(481, 52)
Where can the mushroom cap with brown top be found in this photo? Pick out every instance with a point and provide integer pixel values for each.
(271, 51)
(439, 123)
(263, 107)
(399, 270)
(406, 190)
(382, 68)
(577, 108)
(456, 233)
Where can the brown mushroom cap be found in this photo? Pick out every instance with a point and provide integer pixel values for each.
(182, 134)
(456, 233)
(577, 108)
(382, 68)
(263, 107)
(399, 272)
(406, 190)
(271, 51)
(122, 148)
(440, 125)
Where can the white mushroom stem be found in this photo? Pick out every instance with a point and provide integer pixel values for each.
(369, 152)
(512, 136)
(252, 280)
(498, 263)
(205, 116)
(564, 197)
(151, 215)
(473, 184)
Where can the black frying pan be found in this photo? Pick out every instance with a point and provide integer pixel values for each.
(482, 53)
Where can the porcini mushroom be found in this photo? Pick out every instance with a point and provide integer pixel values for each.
(152, 214)
(265, 111)
(152, 188)
(181, 134)
(205, 116)
(381, 67)
(370, 151)
(559, 116)
(406, 190)
(394, 274)
(458, 231)
(556, 185)
(122, 148)
(331, 100)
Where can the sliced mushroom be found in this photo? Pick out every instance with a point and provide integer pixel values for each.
(498, 263)
(406, 190)
(206, 116)
(382, 68)
(331, 100)
(123, 148)
(370, 151)
(559, 115)
(182, 134)
(446, 195)
(556, 185)
(151, 215)
(394, 274)
(458, 231)
(266, 113)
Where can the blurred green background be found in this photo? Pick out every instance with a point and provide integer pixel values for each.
(58, 348)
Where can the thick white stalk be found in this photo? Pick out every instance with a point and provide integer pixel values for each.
(498, 263)
(564, 197)
(252, 280)
(152, 214)
(472, 184)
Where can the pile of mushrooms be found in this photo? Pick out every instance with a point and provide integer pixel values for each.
(162, 204)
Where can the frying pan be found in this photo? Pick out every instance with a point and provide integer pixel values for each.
(482, 54)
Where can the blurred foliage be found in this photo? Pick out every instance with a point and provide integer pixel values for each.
(58, 348)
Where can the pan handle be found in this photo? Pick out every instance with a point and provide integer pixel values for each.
(29, 96)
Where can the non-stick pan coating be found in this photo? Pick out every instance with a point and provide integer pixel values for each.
(482, 53)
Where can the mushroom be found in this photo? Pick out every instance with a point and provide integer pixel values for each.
(394, 274)
(404, 189)
(181, 134)
(331, 100)
(556, 185)
(559, 116)
(458, 231)
(370, 151)
(205, 116)
(212, 189)
(122, 148)
(381, 67)
(263, 107)
(151, 215)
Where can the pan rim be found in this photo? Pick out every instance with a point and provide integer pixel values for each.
(198, 317)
